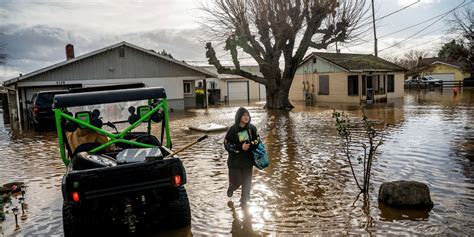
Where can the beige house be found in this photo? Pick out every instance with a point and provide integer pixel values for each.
(236, 88)
(348, 78)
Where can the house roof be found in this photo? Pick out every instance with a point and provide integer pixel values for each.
(356, 62)
(428, 61)
(252, 69)
(87, 55)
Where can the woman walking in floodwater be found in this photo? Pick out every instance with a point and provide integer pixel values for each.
(239, 141)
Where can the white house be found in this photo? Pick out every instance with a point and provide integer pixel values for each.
(116, 64)
(236, 88)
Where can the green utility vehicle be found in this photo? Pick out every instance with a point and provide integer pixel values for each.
(132, 181)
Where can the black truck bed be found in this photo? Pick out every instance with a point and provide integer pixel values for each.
(125, 178)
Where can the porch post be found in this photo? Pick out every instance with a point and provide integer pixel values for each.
(205, 93)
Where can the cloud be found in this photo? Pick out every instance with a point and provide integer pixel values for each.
(398, 47)
(30, 48)
(109, 16)
(8, 72)
(421, 2)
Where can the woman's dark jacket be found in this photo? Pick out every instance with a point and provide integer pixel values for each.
(236, 136)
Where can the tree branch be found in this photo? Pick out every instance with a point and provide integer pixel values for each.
(211, 55)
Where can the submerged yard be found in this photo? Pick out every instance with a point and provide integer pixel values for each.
(308, 189)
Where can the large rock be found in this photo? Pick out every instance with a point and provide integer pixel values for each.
(405, 194)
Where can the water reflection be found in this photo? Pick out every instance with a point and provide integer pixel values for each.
(308, 189)
(242, 222)
(388, 213)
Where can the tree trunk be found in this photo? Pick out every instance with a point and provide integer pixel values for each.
(277, 94)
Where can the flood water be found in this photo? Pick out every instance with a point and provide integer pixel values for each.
(308, 189)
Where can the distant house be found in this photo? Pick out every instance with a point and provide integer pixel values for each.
(236, 88)
(352, 78)
(440, 68)
(120, 63)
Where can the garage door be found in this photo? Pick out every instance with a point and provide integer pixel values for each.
(262, 92)
(238, 90)
(443, 76)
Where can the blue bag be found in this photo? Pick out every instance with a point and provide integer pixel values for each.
(260, 156)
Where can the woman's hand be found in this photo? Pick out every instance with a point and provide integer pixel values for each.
(245, 146)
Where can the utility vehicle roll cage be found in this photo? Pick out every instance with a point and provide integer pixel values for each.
(156, 97)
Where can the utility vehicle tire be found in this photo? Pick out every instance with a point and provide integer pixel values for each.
(179, 212)
(72, 225)
(84, 160)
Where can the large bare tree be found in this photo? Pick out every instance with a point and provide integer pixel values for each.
(271, 30)
(410, 60)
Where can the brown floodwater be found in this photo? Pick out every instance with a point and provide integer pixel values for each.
(308, 189)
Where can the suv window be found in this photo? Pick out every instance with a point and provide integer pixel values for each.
(45, 99)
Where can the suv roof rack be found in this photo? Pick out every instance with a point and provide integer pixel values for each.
(105, 97)
(108, 87)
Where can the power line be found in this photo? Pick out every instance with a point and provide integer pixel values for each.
(359, 38)
(389, 14)
(399, 10)
(424, 43)
(370, 28)
(409, 27)
(416, 33)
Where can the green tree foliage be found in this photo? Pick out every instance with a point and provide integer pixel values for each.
(453, 50)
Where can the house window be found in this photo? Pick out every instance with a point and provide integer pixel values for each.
(379, 84)
(212, 85)
(390, 83)
(323, 85)
(353, 85)
(187, 88)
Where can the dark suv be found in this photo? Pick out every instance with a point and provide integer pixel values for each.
(40, 111)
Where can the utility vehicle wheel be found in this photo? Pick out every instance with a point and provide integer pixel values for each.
(179, 212)
(72, 225)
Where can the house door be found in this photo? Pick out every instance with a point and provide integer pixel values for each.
(369, 90)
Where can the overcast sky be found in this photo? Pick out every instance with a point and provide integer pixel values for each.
(34, 32)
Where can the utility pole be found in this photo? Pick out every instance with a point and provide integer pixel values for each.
(375, 33)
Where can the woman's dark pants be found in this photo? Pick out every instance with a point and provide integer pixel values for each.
(241, 176)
